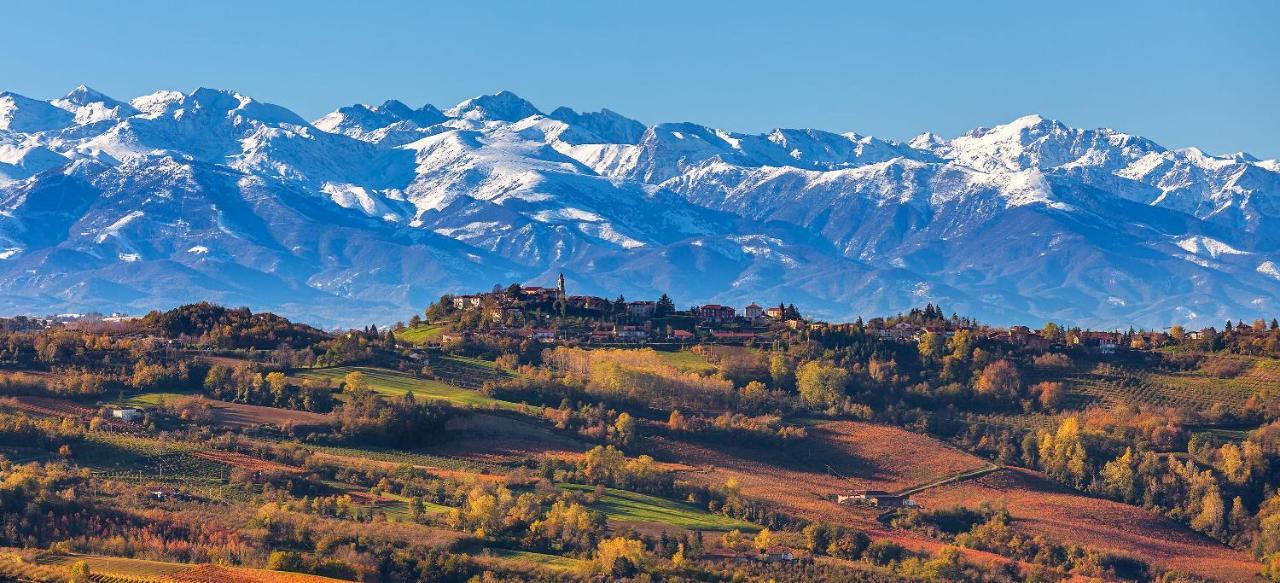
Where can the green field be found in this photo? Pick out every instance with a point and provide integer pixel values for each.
(144, 400)
(687, 361)
(395, 383)
(421, 334)
(628, 506)
(550, 561)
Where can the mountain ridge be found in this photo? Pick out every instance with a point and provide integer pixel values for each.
(372, 211)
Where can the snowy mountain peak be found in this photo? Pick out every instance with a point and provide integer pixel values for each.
(220, 103)
(84, 95)
(379, 208)
(502, 106)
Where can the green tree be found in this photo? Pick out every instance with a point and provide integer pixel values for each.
(1119, 480)
(665, 306)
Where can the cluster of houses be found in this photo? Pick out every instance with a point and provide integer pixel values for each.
(1021, 336)
(617, 322)
(646, 321)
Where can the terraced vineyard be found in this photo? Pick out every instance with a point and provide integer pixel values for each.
(471, 373)
(130, 458)
(1109, 384)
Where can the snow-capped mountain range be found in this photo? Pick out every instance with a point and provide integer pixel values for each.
(371, 212)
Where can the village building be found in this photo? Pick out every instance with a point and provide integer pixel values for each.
(753, 311)
(589, 303)
(467, 302)
(900, 332)
(714, 313)
(631, 333)
(451, 337)
(775, 312)
(642, 309)
(1202, 334)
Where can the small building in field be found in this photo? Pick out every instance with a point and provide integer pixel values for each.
(128, 414)
(777, 554)
(878, 498)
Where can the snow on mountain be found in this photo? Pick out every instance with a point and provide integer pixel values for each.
(374, 210)
(502, 106)
(26, 115)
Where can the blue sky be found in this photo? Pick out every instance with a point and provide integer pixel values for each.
(1182, 73)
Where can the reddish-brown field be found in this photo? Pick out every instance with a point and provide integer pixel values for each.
(220, 574)
(240, 416)
(1042, 507)
(250, 463)
(835, 457)
(50, 407)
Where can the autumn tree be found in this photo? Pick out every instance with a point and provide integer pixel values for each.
(931, 345)
(819, 384)
(619, 557)
(1000, 379)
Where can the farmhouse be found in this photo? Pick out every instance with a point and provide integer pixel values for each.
(128, 414)
(777, 554)
(878, 498)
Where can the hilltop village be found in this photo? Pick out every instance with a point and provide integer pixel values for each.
(550, 314)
